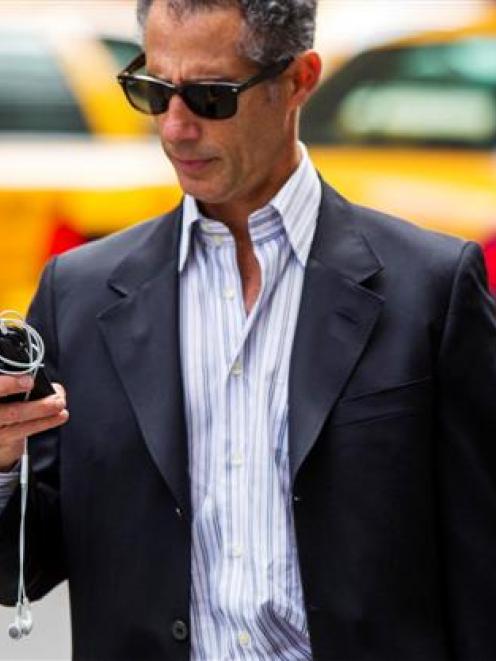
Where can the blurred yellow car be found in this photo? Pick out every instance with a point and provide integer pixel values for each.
(76, 162)
(410, 128)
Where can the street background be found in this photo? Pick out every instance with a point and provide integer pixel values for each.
(344, 27)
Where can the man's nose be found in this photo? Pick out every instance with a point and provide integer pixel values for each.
(179, 123)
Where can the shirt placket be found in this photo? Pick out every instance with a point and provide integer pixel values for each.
(231, 414)
(233, 464)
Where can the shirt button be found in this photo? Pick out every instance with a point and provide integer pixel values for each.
(237, 459)
(244, 638)
(218, 240)
(179, 630)
(179, 512)
(229, 293)
(237, 369)
(237, 551)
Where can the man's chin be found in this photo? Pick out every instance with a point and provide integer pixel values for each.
(202, 191)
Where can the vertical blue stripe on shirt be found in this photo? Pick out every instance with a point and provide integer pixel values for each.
(246, 593)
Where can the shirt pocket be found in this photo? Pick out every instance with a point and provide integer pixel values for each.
(410, 398)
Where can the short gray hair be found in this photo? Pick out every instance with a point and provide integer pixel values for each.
(274, 29)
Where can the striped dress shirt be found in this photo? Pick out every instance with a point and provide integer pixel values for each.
(246, 593)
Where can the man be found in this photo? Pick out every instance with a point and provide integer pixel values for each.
(281, 442)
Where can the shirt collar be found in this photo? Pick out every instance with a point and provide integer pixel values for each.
(297, 203)
(191, 215)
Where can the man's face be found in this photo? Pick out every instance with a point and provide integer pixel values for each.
(232, 163)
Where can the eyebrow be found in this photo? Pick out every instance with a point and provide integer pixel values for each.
(213, 79)
(207, 78)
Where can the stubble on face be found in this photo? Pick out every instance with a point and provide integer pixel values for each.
(232, 166)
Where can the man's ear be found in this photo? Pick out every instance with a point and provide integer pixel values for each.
(305, 77)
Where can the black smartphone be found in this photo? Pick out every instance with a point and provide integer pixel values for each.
(14, 346)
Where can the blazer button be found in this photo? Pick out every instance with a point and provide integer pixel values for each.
(179, 630)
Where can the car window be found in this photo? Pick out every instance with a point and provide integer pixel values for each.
(122, 51)
(34, 95)
(440, 95)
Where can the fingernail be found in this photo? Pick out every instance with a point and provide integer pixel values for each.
(25, 381)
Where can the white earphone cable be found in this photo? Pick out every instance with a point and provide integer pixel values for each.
(10, 320)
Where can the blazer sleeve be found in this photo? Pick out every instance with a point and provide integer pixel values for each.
(44, 564)
(466, 461)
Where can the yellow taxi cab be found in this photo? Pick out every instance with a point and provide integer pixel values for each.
(410, 128)
(76, 162)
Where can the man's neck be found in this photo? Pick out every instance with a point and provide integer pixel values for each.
(235, 214)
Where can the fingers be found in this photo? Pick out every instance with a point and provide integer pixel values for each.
(14, 413)
(13, 385)
(12, 435)
(12, 438)
(21, 419)
(59, 389)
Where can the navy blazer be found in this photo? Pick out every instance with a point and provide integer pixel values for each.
(391, 438)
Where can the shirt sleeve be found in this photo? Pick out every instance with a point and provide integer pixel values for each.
(8, 484)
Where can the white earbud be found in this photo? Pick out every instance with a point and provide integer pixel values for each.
(23, 622)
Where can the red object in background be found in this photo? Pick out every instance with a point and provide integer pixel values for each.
(63, 238)
(490, 256)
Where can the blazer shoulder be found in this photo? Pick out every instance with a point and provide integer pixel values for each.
(409, 254)
(392, 236)
(80, 278)
(380, 228)
(103, 255)
(409, 251)
(111, 249)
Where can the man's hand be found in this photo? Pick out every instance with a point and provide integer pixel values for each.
(21, 419)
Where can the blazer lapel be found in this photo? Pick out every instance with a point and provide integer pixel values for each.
(336, 317)
(142, 335)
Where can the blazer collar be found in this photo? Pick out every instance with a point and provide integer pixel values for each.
(156, 250)
(336, 317)
(338, 243)
(335, 321)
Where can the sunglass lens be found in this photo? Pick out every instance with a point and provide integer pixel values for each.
(148, 97)
(210, 101)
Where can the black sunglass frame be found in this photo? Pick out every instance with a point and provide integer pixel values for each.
(128, 74)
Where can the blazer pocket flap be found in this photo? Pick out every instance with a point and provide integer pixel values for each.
(403, 399)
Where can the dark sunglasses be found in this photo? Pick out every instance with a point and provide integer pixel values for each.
(217, 100)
